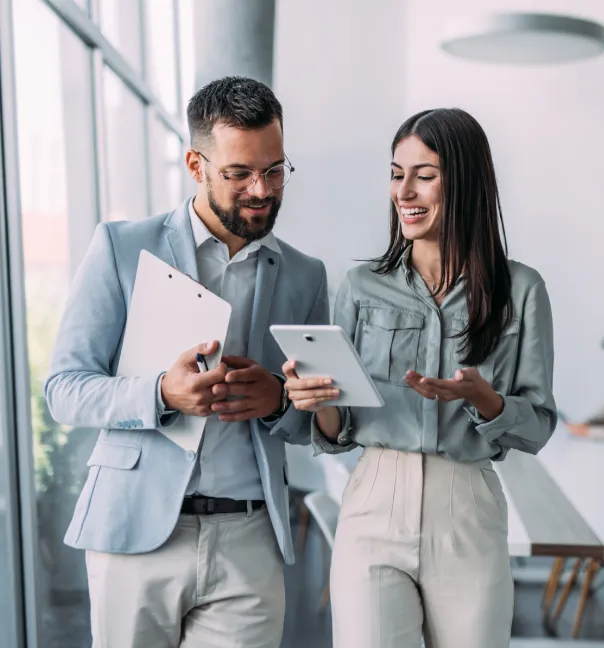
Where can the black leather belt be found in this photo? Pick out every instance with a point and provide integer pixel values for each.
(201, 505)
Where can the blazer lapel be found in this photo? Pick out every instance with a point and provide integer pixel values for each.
(266, 275)
(181, 242)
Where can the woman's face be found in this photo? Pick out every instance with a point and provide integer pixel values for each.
(415, 189)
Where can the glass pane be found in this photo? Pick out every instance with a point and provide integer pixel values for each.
(120, 22)
(166, 168)
(55, 131)
(7, 563)
(124, 151)
(186, 36)
(161, 51)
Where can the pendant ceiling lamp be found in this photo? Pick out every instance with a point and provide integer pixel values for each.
(523, 38)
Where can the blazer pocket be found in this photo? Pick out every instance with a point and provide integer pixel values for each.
(115, 455)
(388, 341)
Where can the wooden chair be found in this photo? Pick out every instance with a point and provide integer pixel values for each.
(591, 567)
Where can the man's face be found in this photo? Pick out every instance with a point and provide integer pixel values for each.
(246, 204)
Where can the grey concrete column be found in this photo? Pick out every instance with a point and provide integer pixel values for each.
(234, 37)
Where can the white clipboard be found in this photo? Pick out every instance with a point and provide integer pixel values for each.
(169, 314)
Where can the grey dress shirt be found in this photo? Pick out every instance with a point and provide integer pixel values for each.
(396, 326)
(227, 465)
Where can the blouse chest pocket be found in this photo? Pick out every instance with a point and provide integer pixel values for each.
(388, 342)
(498, 368)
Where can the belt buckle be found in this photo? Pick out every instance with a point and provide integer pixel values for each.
(210, 506)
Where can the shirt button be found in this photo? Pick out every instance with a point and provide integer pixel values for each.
(191, 455)
(204, 460)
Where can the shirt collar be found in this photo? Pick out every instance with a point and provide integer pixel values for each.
(406, 263)
(201, 234)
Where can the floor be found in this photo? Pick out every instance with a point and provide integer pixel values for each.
(65, 621)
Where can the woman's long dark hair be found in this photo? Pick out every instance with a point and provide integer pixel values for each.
(470, 239)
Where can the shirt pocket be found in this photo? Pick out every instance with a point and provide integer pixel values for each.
(498, 368)
(388, 342)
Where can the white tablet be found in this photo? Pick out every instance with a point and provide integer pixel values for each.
(327, 352)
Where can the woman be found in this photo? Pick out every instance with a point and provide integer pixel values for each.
(459, 341)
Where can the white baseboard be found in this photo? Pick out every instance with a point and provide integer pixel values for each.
(554, 643)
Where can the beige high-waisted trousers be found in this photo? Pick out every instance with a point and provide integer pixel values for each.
(421, 549)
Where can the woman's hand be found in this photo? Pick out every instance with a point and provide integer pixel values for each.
(467, 384)
(308, 394)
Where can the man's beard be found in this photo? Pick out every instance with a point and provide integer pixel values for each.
(249, 230)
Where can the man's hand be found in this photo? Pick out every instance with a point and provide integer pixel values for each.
(257, 392)
(184, 389)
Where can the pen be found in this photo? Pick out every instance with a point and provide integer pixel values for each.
(201, 363)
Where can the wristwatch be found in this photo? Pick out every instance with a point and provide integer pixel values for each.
(284, 403)
(285, 400)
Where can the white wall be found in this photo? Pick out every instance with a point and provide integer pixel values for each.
(331, 73)
(349, 73)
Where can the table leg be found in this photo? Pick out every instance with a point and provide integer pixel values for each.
(325, 596)
(592, 569)
(303, 520)
(566, 590)
(551, 587)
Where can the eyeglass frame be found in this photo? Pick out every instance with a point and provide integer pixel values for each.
(256, 174)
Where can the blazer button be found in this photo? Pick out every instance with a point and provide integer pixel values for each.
(191, 455)
(271, 261)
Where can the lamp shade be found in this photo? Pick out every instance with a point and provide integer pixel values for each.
(523, 38)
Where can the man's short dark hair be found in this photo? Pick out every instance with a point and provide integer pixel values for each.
(235, 101)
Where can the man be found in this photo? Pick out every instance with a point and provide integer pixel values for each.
(186, 549)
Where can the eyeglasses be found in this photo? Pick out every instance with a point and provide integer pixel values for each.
(242, 180)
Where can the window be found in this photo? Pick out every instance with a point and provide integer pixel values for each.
(87, 141)
(161, 51)
(9, 563)
(125, 157)
(186, 20)
(120, 22)
(56, 159)
(166, 168)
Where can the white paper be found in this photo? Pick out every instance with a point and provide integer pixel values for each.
(169, 314)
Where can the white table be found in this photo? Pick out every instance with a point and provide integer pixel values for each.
(519, 543)
(555, 499)
(577, 466)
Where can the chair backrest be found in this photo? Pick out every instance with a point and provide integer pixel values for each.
(305, 473)
(325, 513)
(336, 476)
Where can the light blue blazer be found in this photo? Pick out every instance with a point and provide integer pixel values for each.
(137, 479)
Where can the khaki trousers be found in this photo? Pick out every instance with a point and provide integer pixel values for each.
(216, 583)
(421, 548)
